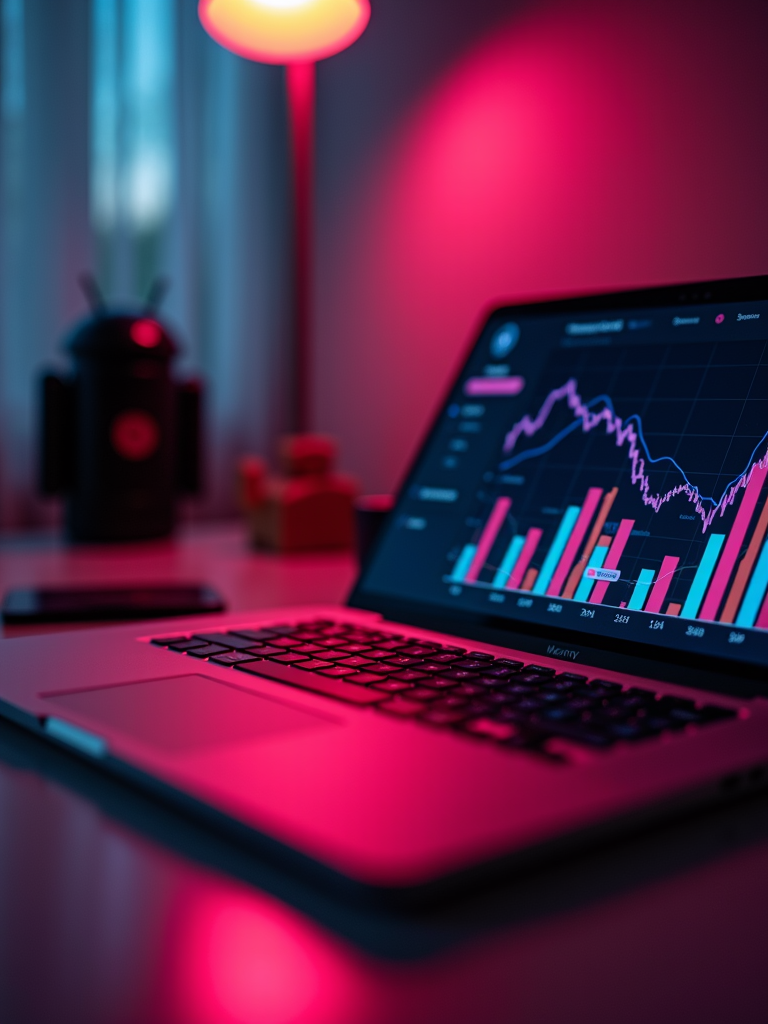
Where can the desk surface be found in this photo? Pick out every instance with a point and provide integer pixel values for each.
(115, 909)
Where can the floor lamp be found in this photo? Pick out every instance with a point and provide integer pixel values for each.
(296, 33)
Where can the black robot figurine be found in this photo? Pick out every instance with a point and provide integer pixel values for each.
(120, 438)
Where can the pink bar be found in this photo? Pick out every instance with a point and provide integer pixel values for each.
(477, 386)
(532, 539)
(615, 552)
(762, 618)
(487, 537)
(622, 604)
(594, 494)
(733, 545)
(661, 586)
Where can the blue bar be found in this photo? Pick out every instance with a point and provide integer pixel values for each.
(564, 531)
(463, 562)
(596, 559)
(640, 593)
(753, 598)
(702, 577)
(508, 561)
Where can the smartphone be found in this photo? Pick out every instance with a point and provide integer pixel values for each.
(90, 604)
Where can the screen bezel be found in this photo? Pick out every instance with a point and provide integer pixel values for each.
(478, 626)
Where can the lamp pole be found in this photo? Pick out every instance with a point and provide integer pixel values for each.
(300, 89)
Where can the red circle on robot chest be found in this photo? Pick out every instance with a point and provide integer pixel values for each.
(134, 434)
(146, 333)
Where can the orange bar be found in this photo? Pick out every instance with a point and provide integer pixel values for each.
(578, 570)
(745, 568)
(673, 609)
(530, 579)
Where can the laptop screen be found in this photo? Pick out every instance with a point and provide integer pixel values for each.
(599, 467)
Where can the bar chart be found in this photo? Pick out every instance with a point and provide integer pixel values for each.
(606, 546)
(599, 565)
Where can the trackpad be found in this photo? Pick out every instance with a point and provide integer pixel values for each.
(186, 712)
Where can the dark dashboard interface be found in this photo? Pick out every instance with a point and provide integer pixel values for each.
(602, 471)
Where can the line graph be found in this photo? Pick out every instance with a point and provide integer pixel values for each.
(627, 432)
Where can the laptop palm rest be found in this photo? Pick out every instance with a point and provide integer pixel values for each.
(184, 713)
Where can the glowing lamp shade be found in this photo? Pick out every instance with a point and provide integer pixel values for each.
(284, 31)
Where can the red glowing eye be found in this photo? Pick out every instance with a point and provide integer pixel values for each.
(146, 333)
(134, 434)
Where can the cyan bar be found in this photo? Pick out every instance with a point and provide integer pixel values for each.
(642, 587)
(564, 531)
(753, 598)
(702, 577)
(584, 588)
(508, 561)
(463, 562)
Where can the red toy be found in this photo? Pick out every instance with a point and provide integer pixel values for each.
(309, 508)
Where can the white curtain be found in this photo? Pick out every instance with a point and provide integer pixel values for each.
(133, 146)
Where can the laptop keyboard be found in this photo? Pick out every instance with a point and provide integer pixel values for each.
(503, 700)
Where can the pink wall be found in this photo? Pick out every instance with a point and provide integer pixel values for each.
(577, 146)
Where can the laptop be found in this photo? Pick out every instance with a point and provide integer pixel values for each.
(561, 633)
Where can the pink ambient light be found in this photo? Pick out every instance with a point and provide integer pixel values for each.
(284, 31)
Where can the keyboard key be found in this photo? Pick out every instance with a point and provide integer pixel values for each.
(233, 658)
(472, 663)
(481, 656)
(449, 703)
(354, 661)
(363, 678)
(314, 665)
(355, 648)
(400, 706)
(166, 641)
(392, 686)
(432, 666)
(338, 688)
(502, 672)
(264, 650)
(418, 652)
(383, 669)
(286, 642)
(460, 675)
(529, 678)
(509, 663)
(308, 649)
(422, 693)
(408, 675)
(308, 636)
(391, 645)
(255, 634)
(285, 630)
(443, 657)
(289, 658)
(225, 639)
(540, 670)
(206, 651)
(186, 645)
(467, 690)
(498, 698)
(337, 671)
(603, 684)
(403, 661)
(435, 683)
